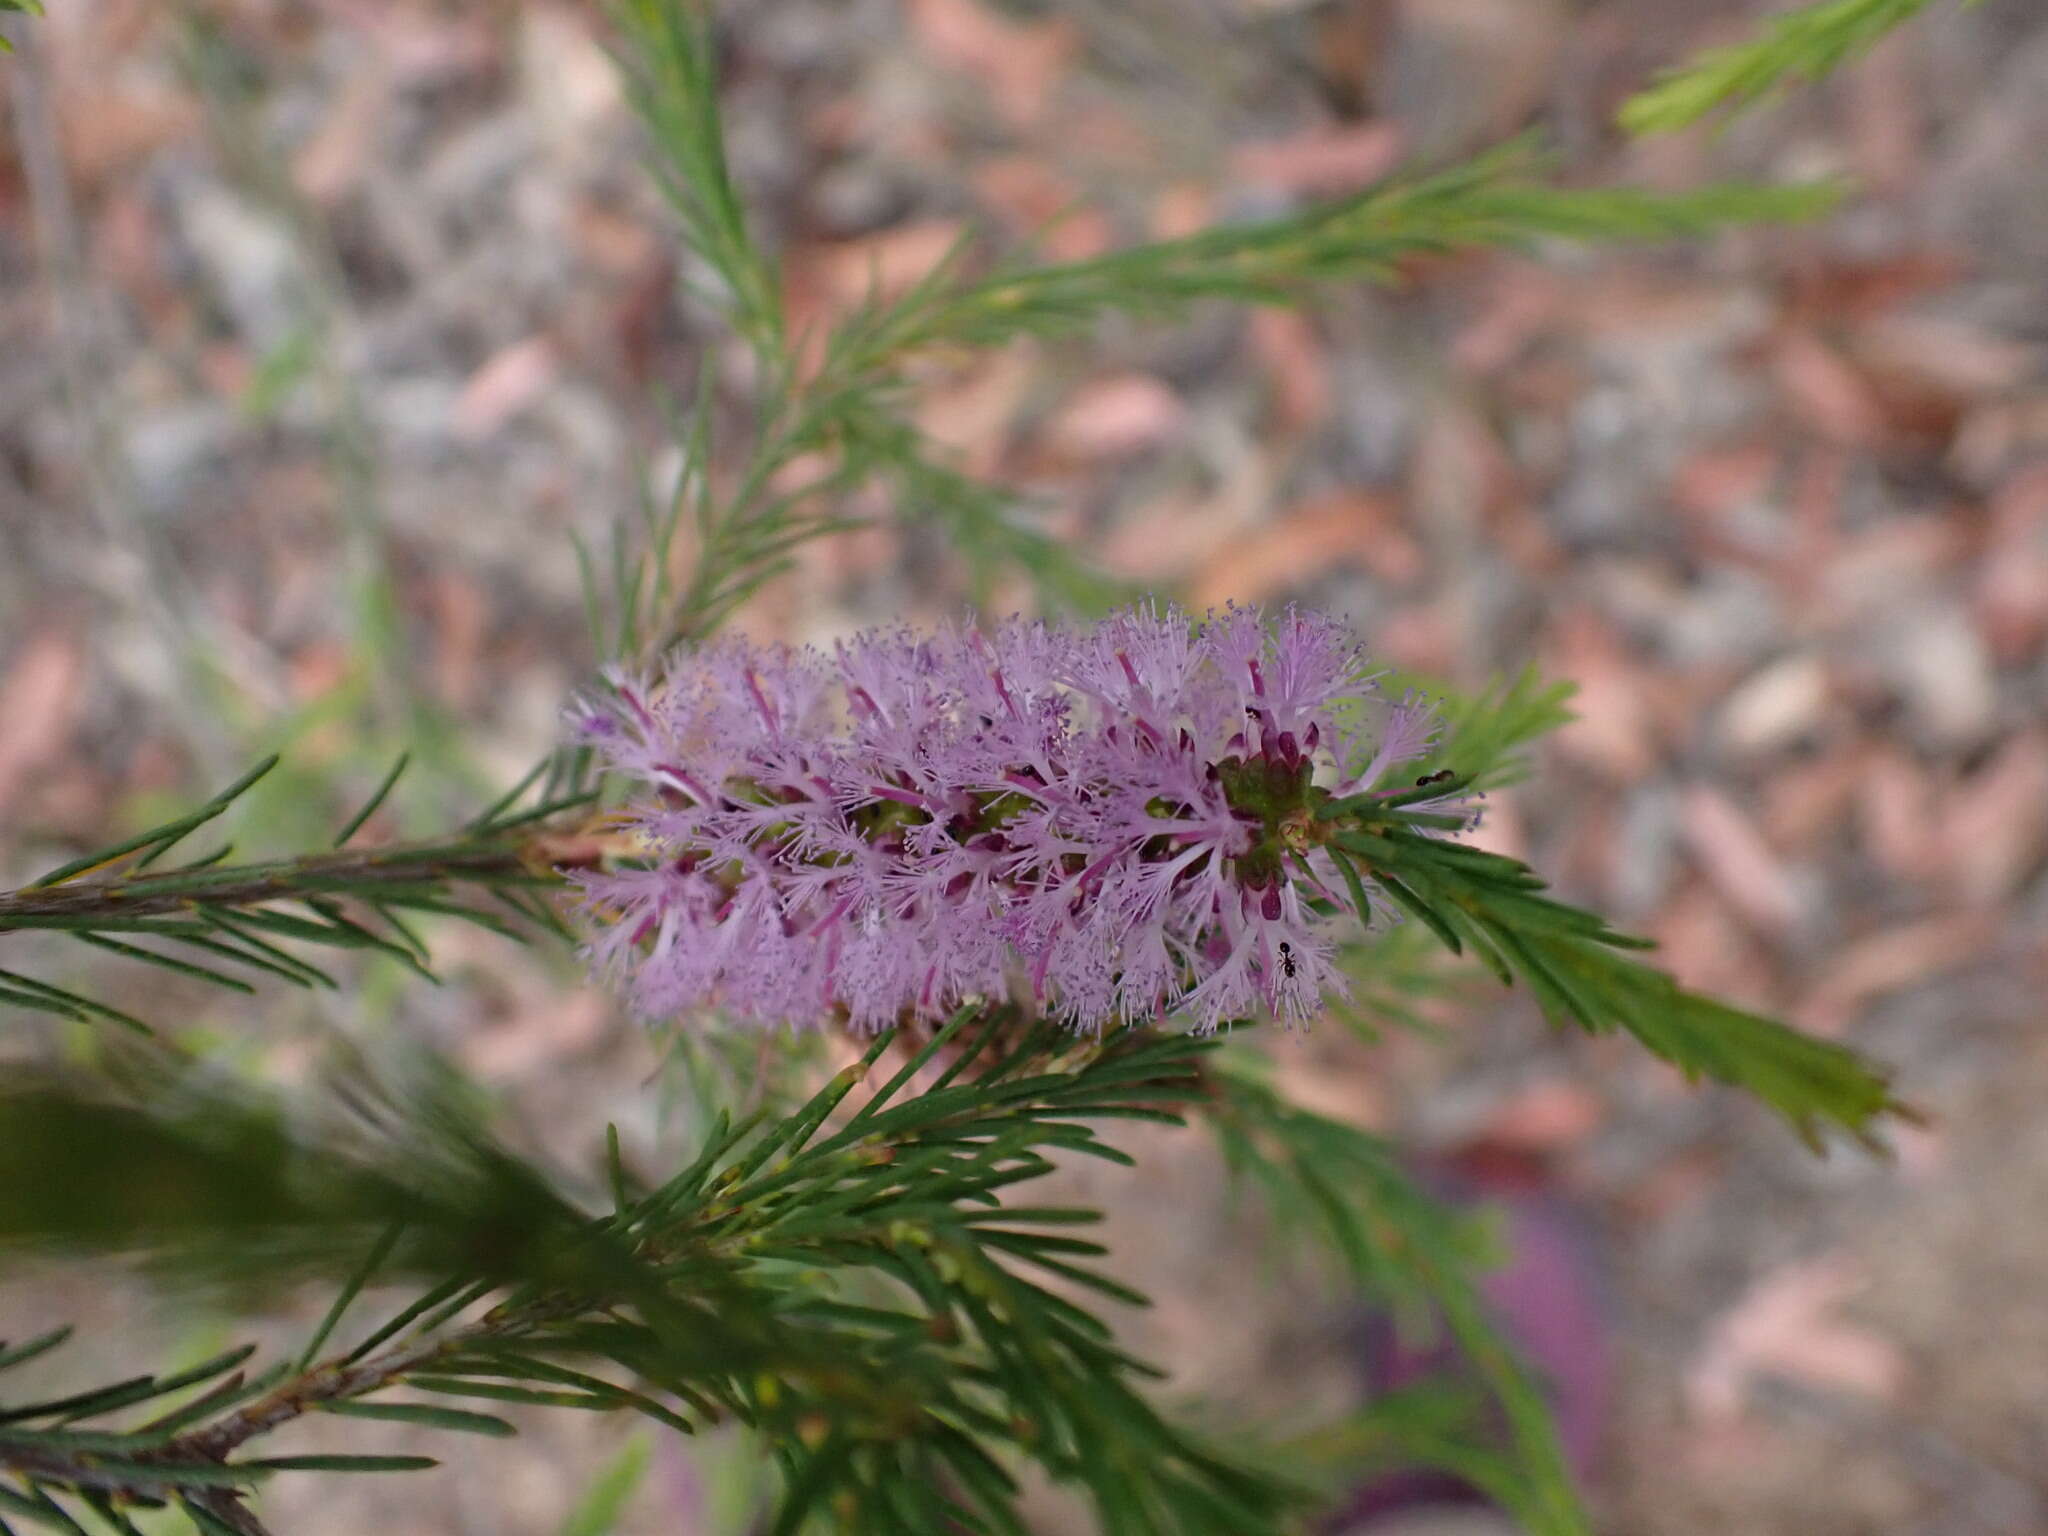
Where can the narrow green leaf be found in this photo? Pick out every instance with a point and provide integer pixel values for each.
(109, 1512)
(42, 1343)
(96, 1399)
(223, 1392)
(229, 922)
(1415, 906)
(120, 1455)
(40, 1508)
(819, 1470)
(507, 1392)
(250, 957)
(37, 1003)
(1361, 905)
(544, 810)
(206, 1370)
(941, 1038)
(338, 1462)
(615, 1168)
(354, 823)
(431, 1414)
(344, 1298)
(169, 963)
(488, 817)
(405, 1318)
(160, 838)
(75, 1000)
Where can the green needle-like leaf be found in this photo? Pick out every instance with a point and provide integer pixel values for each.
(1800, 45)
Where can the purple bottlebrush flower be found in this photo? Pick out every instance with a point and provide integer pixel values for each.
(1115, 821)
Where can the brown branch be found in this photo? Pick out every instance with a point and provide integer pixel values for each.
(336, 1380)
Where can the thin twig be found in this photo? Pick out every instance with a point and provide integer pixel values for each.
(333, 1381)
(245, 885)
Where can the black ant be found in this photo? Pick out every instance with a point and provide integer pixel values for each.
(1287, 959)
(1434, 778)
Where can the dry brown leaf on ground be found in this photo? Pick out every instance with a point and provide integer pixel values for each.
(1114, 418)
(1344, 527)
(1349, 47)
(333, 161)
(1887, 121)
(40, 701)
(108, 123)
(1890, 961)
(2011, 596)
(1945, 354)
(1666, 1190)
(1458, 473)
(461, 610)
(1549, 1114)
(1995, 822)
(571, 86)
(1999, 436)
(1739, 862)
(1700, 941)
(1522, 302)
(1788, 1325)
(1180, 209)
(1805, 801)
(1020, 63)
(1820, 481)
(1469, 72)
(1825, 391)
(1419, 637)
(1719, 480)
(1845, 291)
(971, 413)
(426, 45)
(1296, 365)
(1327, 160)
(1895, 814)
(1182, 530)
(1776, 704)
(1614, 730)
(1926, 655)
(1875, 570)
(507, 382)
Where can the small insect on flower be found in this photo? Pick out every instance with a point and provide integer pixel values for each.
(1117, 823)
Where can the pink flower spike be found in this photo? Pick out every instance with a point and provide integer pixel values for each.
(1108, 820)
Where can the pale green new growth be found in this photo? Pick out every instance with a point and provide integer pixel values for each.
(1801, 45)
(1498, 200)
